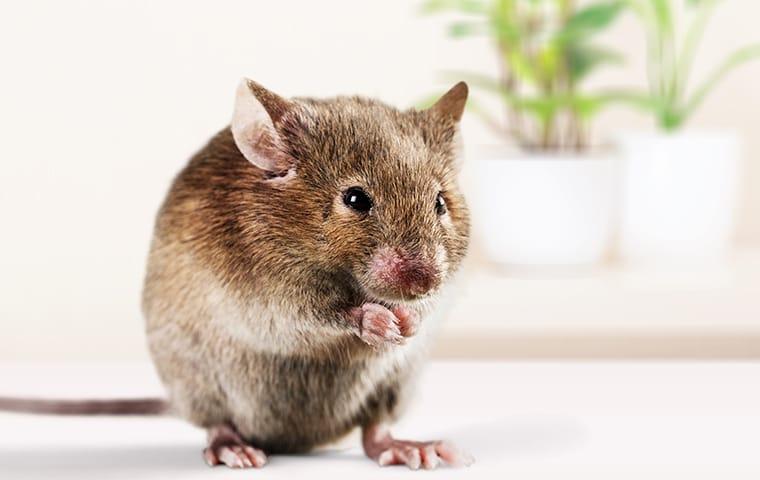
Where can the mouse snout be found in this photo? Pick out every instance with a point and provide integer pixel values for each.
(404, 274)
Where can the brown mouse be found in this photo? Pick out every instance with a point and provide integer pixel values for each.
(294, 271)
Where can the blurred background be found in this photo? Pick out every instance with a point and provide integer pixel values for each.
(606, 237)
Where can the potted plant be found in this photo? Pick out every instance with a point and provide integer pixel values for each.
(547, 199)
(679, 186)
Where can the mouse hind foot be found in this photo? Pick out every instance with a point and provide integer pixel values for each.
(227, 447)
(380, 446)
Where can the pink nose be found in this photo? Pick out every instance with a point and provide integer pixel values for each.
(404, 273)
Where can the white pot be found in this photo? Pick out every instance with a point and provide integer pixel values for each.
(679, 195)
(545, 209)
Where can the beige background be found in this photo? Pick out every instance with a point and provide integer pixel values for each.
(102, 102)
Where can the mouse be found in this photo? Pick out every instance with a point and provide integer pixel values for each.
(295, 275)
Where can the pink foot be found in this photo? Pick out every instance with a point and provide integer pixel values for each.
(379, 326)
(380, 446)
(225, 446)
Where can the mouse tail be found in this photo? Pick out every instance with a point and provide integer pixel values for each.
(134, 406)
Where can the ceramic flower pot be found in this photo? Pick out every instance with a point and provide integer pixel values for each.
(545, 209)
(679, 195)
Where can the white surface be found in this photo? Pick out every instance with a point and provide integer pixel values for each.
(679, 195)
(521, 421)
(544, 209)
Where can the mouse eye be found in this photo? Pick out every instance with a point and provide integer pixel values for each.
(357, 199)
(440, 205)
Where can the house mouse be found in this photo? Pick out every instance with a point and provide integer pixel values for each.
(294, 271)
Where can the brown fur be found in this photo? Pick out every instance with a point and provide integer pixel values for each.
(250, 277)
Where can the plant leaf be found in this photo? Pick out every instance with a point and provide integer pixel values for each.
(521, 67)
(465, 29)
(589, 20)
(739, 57)
(505, 23)
(692, 39)
(663, 15)
(697, 3)
(582, 59)
(547, 62)
(464, 6)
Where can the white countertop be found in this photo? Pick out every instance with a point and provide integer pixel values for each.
(520, 420)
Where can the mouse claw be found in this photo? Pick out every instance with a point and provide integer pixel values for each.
(385, 458)
(378, 326)
(408, 320)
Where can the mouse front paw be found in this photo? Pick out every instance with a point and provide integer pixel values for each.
(379, 326)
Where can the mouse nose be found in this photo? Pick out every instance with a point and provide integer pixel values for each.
(407, 274)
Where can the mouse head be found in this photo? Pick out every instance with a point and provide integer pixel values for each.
(379, 185)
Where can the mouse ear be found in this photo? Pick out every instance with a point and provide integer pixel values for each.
(257, 111)
(452, 103)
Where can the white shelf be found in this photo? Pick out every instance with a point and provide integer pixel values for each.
(712, 308)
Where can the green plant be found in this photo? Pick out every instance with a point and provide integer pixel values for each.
(545, 50)
(670, 58)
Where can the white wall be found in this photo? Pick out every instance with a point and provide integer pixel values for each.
(101, 102)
